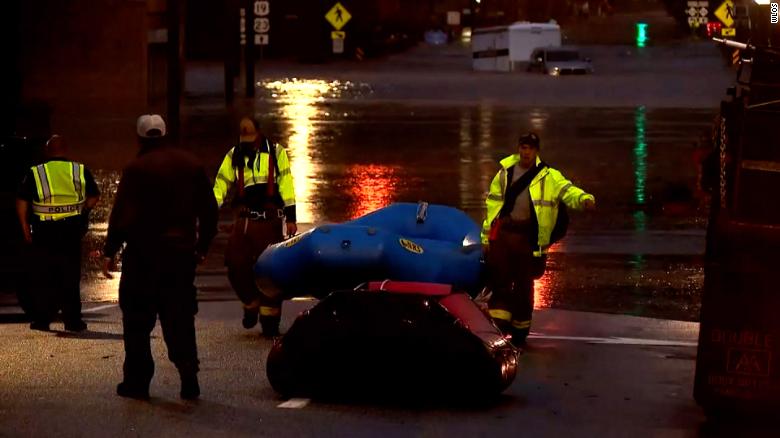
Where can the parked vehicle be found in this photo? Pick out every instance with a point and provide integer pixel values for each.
(559, 61)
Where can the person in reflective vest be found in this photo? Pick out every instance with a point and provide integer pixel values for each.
(259, 172)
(53, 207)
(523, 208)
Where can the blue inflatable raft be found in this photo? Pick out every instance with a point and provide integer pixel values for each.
(404, 242)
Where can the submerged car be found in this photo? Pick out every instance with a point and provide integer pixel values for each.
(559, 61)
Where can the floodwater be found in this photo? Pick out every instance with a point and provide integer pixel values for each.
(638, 253)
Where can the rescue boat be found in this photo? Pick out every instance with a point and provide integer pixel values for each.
(393, 341)
(404, 242)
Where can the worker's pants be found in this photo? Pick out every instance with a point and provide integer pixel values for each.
(248, 240)
(54, 270)
(509, 263)
(158, 282)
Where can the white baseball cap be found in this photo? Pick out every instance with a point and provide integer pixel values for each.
(148, 123)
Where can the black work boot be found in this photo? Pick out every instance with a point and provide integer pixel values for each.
(125, 389)
(270, 325)
(37, 325)
(519, 336)
(75, 326)
(190, 389)
(250, 318)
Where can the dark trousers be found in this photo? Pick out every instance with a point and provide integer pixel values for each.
(158, 282)
(54, 269)
(510, 271)
(247, 241)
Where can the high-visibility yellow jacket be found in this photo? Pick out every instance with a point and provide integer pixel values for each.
(548, 188)
(256, 173)
(61, 190)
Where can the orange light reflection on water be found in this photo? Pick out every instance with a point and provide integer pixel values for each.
(369, 187)
(543, 287)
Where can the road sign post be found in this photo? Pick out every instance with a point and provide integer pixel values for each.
(698, 13)
(338, 41)
(338, 16)
(725, 13)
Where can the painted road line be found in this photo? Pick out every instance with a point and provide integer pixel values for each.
(99, 308)
(616, 340)
(294, 403)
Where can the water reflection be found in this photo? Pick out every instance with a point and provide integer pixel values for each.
(369, 187)
(640, 168)
(298, 101)
(543, 290)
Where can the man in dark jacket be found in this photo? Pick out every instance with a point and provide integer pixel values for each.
(166, 213)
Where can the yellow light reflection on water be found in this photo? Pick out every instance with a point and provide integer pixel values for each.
(370, 186)
(299, 99)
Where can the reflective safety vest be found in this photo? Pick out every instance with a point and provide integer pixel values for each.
(256, 173)
(548, 188)
(61, 190)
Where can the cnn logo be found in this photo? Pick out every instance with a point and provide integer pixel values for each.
(774, 10)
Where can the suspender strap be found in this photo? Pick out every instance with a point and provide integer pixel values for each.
(271, 166)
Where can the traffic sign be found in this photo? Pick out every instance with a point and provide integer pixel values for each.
(262, 25)
(728, 31)
(261, 39)
(697, 12)
(338, 35)
(262, 8)
(338, 16)
(725, 13)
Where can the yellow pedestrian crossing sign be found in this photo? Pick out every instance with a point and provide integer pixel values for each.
(725, 13)
(338, 16)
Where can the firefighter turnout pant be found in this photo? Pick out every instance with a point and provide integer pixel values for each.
(247, 241)
(510, 277)
(158, 282)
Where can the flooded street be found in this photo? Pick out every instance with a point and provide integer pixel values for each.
(351, 156)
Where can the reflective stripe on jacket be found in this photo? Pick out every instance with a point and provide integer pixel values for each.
(256, 173)
(61, 190)
(546, 190)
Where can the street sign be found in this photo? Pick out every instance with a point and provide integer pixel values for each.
(338, 16)
(725, 13)
(338, 35)
(262, 8)
(262, 25)
(728, 31)
(338, 45)
(697, 12)
(242, 26)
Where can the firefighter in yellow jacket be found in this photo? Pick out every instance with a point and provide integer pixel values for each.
(522, 210)
(259, 171)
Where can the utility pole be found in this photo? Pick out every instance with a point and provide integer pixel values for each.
(230, 49)
(174, 68)
(249, 49)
